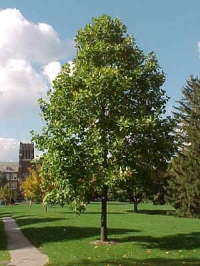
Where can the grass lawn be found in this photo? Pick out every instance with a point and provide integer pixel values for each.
(149, 237)
(4, 255)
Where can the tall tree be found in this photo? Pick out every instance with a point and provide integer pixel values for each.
(184, 189)
(99, 113)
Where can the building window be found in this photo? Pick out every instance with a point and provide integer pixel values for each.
(13, 186)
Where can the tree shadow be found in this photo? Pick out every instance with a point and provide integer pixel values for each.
(3, 246)
(169, 212)
(5, 214)
(22, 220)
(132, 261)
(67, 233)
(172, 242)
(109, 212)
(157, 212)
(48, 233)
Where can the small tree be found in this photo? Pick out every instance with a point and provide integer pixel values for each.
(31, 187)
(3, 180)
(184, 184)
(96, 115)
(6, 194)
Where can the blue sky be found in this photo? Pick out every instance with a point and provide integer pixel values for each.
(36, 38)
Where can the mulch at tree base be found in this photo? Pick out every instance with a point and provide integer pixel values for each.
(108, 242)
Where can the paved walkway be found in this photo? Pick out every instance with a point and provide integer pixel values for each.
(22, 252)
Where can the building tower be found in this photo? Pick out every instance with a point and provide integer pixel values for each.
(26, 154)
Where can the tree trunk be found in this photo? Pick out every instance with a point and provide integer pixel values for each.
(30, 203)
(135, 204)
(104, 235)
(45, 208)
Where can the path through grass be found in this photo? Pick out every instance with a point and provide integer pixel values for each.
(147, 238)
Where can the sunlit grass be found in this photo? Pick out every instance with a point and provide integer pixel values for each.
(148, 238)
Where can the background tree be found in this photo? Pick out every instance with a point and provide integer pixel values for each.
(142, 186)
(6, 195)
(184, 185)
(32, 186)
(3, 180)
(146, 155)
(97, 115)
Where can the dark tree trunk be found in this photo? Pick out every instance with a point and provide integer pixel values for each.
(104, 235)
(135, 206)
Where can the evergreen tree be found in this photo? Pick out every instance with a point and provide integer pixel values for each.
(184, 184)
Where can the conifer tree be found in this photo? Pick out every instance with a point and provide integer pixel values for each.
(184, 185)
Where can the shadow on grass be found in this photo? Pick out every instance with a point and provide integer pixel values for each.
(47, 234)
(172, 242)
(25, 220)
(5, 213)
(29, 219)
(131, 262)
(3, 245)
(154, 212)
(109, 212)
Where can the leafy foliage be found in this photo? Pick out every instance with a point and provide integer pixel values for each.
(31, 187)
(104, 119)
(184, 189)
(6, 194)
(3, 180)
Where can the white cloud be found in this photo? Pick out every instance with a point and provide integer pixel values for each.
(51, 70)
(198, 45)
(36, 43)
(20, 87)
(8, 149)
(29, 61)
(29, 57)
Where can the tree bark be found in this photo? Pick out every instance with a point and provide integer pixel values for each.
(104, 235)
(45, 208)
(135, 204)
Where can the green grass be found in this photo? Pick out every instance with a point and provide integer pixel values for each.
(4, 255)
(148, 238)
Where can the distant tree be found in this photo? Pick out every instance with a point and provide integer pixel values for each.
(184, 184)
(31, 187)
(136, 187)
(3, 180)
(98, 117)
(6, 194)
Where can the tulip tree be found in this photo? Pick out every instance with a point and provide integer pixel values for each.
(112, 96)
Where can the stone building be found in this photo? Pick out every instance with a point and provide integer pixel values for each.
(9, 175)
(13, 173)
(26, 155)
